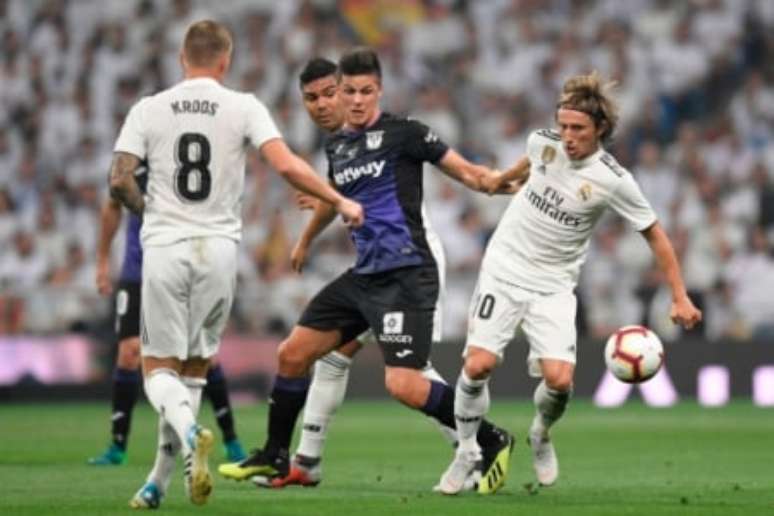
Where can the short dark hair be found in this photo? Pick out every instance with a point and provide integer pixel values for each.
(316, 68)
(360, 61)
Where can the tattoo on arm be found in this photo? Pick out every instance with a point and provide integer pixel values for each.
(123, 186)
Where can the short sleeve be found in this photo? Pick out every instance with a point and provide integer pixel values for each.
(537, 141)
(422, 143)
(629, 202)
(260, 125)
(132, 138)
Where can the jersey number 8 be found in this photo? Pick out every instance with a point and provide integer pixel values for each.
(193, 180)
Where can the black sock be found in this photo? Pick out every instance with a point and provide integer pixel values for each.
(217, 392)
(285, 402)
(126, 387)
(440, 404)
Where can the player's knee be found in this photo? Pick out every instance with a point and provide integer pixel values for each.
(402, 385)
(479, 363)
(294, 360)
(559, 381)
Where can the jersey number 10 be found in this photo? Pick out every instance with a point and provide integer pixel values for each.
(193, 179)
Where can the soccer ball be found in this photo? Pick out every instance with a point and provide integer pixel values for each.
(634, 354)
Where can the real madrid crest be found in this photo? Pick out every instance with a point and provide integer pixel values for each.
(584, 192)
(546, 157)
(374, 139)
(548, 154)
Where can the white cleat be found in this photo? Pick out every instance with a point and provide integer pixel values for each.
(459, 473)
(544, 458)
(198, 477)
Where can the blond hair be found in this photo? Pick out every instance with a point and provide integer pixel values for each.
(587, 94)
(205, 41)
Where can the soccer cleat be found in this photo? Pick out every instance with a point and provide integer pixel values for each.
(234, 451)
(454, 478)
(259, 462)
(113, 456)
(148, 497)
(544, 459)
(198, 480)
(299, 475)
(495, 463)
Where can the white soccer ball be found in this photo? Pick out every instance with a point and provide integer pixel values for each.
(634, 354)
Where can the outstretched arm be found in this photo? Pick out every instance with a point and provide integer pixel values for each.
(109, 219)
(683, 312)
(298, 173)
(475, 177)
(516, 176)
(123, 186)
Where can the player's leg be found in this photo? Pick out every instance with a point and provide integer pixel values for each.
(325, 396)
(494, 316)
(126, 376)
(296, 355)
(550, 328)
(216, 391)
(330, 319)
(149, 496)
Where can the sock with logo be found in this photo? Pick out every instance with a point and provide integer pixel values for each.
(172, 400)
(126, 387)
(470, 405)
(166, 456)
(285, 402)
(217, 391)
(326, 394)
(550, 405)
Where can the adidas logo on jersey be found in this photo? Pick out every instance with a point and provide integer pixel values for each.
(349, 174)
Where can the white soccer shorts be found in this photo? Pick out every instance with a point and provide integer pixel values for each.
(187, 292)
(548, 321)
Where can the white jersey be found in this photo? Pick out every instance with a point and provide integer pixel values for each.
(194, 137)
(543, 237)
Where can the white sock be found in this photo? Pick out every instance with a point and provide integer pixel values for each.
(166, 455)
(450, 434)
(195, 388)
(172, 400)
(550, 405)
(169, 444)
(326, 394)
(471, 403)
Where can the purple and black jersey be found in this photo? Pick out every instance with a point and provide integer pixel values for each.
(381, 168)
(131, 270)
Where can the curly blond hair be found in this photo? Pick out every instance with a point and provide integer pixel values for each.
(588, 94)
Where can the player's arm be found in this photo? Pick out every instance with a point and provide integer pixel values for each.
(123, 186)
(517, 175)
(298, 173)
(470, 174)
(324, 214)
(109, 219)
(683, 311)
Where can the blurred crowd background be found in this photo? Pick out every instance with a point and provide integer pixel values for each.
(695, 86)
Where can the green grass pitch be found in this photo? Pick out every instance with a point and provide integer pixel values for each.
(382, 459)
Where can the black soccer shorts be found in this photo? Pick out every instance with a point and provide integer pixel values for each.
(398, 305)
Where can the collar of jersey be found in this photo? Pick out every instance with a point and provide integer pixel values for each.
(588, 160)
(199, 80)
